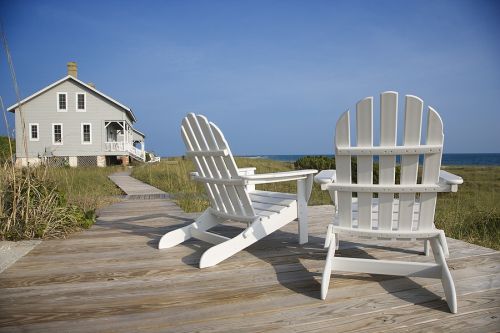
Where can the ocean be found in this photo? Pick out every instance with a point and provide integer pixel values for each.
(448, 159)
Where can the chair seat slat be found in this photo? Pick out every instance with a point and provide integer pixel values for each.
(270, 194)
(268, 207)
(269, 199)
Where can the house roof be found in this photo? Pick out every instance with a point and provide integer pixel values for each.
(139, 132)
(128, 110)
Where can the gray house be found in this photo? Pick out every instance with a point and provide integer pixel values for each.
(72, 122)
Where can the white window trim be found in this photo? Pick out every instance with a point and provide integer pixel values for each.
(81, 130)
(57, 100)
(37, 131)
(84, 102)
(53, 135)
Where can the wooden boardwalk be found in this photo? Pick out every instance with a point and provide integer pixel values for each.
(136, 189)
(112, 278)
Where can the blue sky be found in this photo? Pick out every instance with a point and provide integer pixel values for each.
(274, 75)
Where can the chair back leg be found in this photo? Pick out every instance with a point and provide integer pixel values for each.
(446, 279)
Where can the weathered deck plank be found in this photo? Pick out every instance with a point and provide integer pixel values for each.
(112, 278)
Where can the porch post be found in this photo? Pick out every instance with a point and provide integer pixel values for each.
(142, 151)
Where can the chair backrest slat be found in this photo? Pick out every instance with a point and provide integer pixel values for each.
(430, 172)
(364, 135)
(388, 137)
(343, 166)
(409, 163)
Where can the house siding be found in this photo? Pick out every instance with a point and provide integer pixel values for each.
(43, 110)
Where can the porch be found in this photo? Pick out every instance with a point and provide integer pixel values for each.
(123, 139)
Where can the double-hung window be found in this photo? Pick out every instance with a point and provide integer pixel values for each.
(62, 102)
(57, 134)
(34, 130)
(86, 133)
(80, 102)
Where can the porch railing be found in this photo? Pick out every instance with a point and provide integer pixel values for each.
(121, 146)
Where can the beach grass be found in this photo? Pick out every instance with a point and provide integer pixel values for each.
(48, 202)
(87, 187)
(472, 214)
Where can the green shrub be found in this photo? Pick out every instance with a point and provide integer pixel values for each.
(315, 162)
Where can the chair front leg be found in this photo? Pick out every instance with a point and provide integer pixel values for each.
(426, 247)
(327, 271)
(302, 197)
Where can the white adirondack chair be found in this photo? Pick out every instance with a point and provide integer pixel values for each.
(232, 195)
(407, 216)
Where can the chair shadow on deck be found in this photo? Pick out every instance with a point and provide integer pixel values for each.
(290, 271)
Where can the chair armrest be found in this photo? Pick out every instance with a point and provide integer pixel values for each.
(325, 177)
(448, 178)
(193, 174)
(246, 171)
(277, 176)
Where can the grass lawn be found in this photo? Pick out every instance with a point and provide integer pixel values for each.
(472, 214)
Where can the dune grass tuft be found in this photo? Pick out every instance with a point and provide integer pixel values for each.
(44, 202)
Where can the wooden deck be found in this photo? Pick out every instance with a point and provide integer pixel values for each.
(112, 278)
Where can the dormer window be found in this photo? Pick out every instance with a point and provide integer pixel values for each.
(80, 102)
(62, 102)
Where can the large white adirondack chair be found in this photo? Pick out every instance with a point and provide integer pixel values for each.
(403, 211)
(232, 195)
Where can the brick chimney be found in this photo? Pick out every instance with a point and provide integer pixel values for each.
(73, 69)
